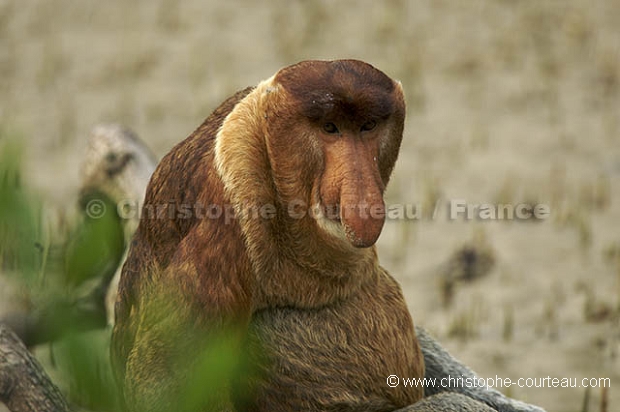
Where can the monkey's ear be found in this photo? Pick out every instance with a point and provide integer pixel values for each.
(390, 146)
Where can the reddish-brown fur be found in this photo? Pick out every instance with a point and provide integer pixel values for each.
(330, 322)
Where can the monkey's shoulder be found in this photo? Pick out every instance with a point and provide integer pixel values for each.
(185, 188)
(191, 160)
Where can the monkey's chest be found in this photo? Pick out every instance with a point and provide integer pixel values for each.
(335, 358)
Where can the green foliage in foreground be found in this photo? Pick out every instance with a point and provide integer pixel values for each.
(20, 226)
(96, 247)
(78, 362)
(66, 273)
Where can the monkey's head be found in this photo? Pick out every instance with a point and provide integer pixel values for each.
(333, 131)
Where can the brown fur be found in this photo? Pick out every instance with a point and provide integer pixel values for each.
(330, 322)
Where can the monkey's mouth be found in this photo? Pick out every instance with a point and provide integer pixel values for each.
(329, 220)
(353, 223)
(331, 212)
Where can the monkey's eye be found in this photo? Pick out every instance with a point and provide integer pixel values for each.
(369, 125)
(330, 128)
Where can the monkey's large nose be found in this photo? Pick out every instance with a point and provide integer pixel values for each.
(352, 181)
(362, 218)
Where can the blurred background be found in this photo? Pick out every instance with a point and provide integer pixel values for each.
(508, 102)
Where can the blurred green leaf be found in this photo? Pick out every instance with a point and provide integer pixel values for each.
(83, 361)
(222, 369)
(20, 248)
(96, 247)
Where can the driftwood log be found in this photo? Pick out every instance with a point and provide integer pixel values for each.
(24, 385)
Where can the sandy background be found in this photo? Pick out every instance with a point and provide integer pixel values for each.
(508, 102)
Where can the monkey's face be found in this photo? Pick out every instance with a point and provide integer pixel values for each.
(333, 141)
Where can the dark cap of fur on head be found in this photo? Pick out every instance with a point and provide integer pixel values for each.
(340, 89)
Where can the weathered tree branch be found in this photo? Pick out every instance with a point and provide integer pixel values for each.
(24, 385)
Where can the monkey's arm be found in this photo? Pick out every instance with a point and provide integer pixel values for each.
(175, 323)
(176, 360)
(440, 364)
